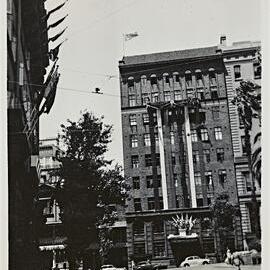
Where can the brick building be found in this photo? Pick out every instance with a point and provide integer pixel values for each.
(241, 64)
(177, 146)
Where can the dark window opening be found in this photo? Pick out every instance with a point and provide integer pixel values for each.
(151, 203)
(237, 72)
(136, 182)
(257, 70)
(137, 207)
(220, 154)
(222, 177)
(153, 80)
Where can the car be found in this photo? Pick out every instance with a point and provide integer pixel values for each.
(194, 260)
(144, 265)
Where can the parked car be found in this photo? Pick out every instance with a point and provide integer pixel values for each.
(149, 266)
(111, 267)
(194, 260)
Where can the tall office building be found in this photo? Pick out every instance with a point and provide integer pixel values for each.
(177, 146)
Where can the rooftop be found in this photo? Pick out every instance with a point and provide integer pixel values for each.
(170, 56)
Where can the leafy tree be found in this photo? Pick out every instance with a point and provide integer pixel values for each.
(88, 185)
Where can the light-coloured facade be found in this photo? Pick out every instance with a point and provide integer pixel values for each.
(242, 64)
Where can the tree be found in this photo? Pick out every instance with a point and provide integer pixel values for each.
(224, 216)
(248, 102)
(88, 185)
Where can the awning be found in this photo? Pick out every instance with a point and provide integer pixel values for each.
(51, 247)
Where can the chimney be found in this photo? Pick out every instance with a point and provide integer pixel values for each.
(223, 40)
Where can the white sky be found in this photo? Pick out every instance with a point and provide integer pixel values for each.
(95, 46)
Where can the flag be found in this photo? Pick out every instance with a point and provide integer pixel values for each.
(53, 10)
(53, 53)
(56, 23)
(54, 38)
(130, 36)
(51, 97)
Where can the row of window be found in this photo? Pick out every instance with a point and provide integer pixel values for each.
(206, 155)
(176, 78)
(256, 69)
(222, 175)
(195, 135)
(168, 96)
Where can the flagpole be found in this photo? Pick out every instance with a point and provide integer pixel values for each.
(124, 47)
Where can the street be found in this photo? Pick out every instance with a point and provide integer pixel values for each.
(221, 266)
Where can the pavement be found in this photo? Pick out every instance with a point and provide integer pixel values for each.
(221, 266)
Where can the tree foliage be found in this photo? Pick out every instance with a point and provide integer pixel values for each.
(88, 185)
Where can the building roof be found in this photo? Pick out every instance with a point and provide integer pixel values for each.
(170, 56)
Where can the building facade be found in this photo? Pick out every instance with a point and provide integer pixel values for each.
(27, 47)
(177, 146)
(242, 64)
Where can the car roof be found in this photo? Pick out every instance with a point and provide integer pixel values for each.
(107, 265)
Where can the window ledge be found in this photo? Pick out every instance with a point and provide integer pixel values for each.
(238, 79)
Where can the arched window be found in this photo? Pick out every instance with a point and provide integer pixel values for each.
(212, 76)
(188, 78)
(153, 79)
(176, 77)
(130, 82)
(199, 79)
(166, 78)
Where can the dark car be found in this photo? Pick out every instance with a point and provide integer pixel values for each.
(149, 266)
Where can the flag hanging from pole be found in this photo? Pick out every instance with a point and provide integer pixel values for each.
(54, 38)
(56, 23)
(130, 36)
(53, 10)
(53, 53)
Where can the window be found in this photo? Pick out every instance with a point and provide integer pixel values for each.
(151, 203)
(199, 202)
(200, 94)
(175, 180)
(220, 154)
(158, 226)
(167, 95)
(135, 161)
(133, 120)
(166, 79)
(172, 137)
(244, 148)
(177, 95)
(159, 249)
(147, 139)
(197, 178)
(206, 155)
(159, 180)
(132, 100)
(137, 205)
(204, 134)
(138, 227)
(145, 117)
(173, 159)
(247, 180)
(222, 176)
(155, 117)
(209, 179)
(214, 93)
(130, 82)
(149, 181)
(194, 136)
(143, 80)
(136, 182)
(257, 70)
(158, 159)
(145, 99)
(215, 112)
(218, 133)
(212, 76)
(153, 79)
(199, 79)
(176, 78)
(148, 160)
(196, 157)
(161, 203)
(139, 249)
(156, 139)
(134, 140)
(155, 97)
(188, 79)
(237, 72)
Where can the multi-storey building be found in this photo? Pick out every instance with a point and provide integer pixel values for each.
(51, 237)
(242, 64)
(177, 146)
(27, 58)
